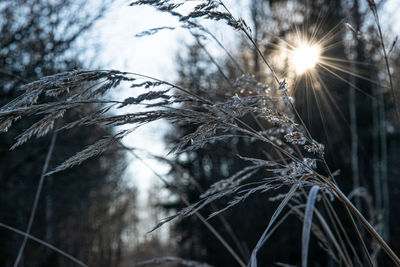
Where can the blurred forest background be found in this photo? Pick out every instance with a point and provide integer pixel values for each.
(84, 211)
(90, 211)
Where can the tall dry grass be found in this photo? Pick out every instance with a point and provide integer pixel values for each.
(298, 169)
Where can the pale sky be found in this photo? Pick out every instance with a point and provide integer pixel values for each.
(116, 47)
(150, 55)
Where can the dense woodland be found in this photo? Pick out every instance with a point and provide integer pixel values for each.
(83, 211)
(342, 113)
(88, 211)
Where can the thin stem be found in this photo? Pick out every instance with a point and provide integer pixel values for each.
(173, 85)
(225, 50)
(37, 196)
(375, 11)
(255, 45)
(186, 202)
(242, 248)
(335, 227)
(366, 224)
(364, 247)
(385, 186)
(50, 246)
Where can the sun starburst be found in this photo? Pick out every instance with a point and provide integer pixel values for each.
(305, 57)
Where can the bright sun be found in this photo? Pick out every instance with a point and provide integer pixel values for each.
(305, 57)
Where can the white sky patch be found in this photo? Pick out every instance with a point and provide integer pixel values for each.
(150, 55)
(154, 56)
(113, 45)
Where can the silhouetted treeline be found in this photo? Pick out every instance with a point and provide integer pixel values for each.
(83, 211)
(328, 109)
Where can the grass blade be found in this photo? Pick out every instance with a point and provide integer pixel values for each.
(305, 240)
(264, 237)
(331, 236)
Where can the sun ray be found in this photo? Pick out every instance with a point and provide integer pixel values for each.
(307, 57)
(345, 60)
(331, 34)
(348, 71)
(349, 83)
(322, 116)
(333, 45)
(327, 98)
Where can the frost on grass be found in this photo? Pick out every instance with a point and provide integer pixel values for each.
(50, 98)
(53, 96)
(294, 160)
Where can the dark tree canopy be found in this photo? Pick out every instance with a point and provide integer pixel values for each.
(326, 112)
(82, 211)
